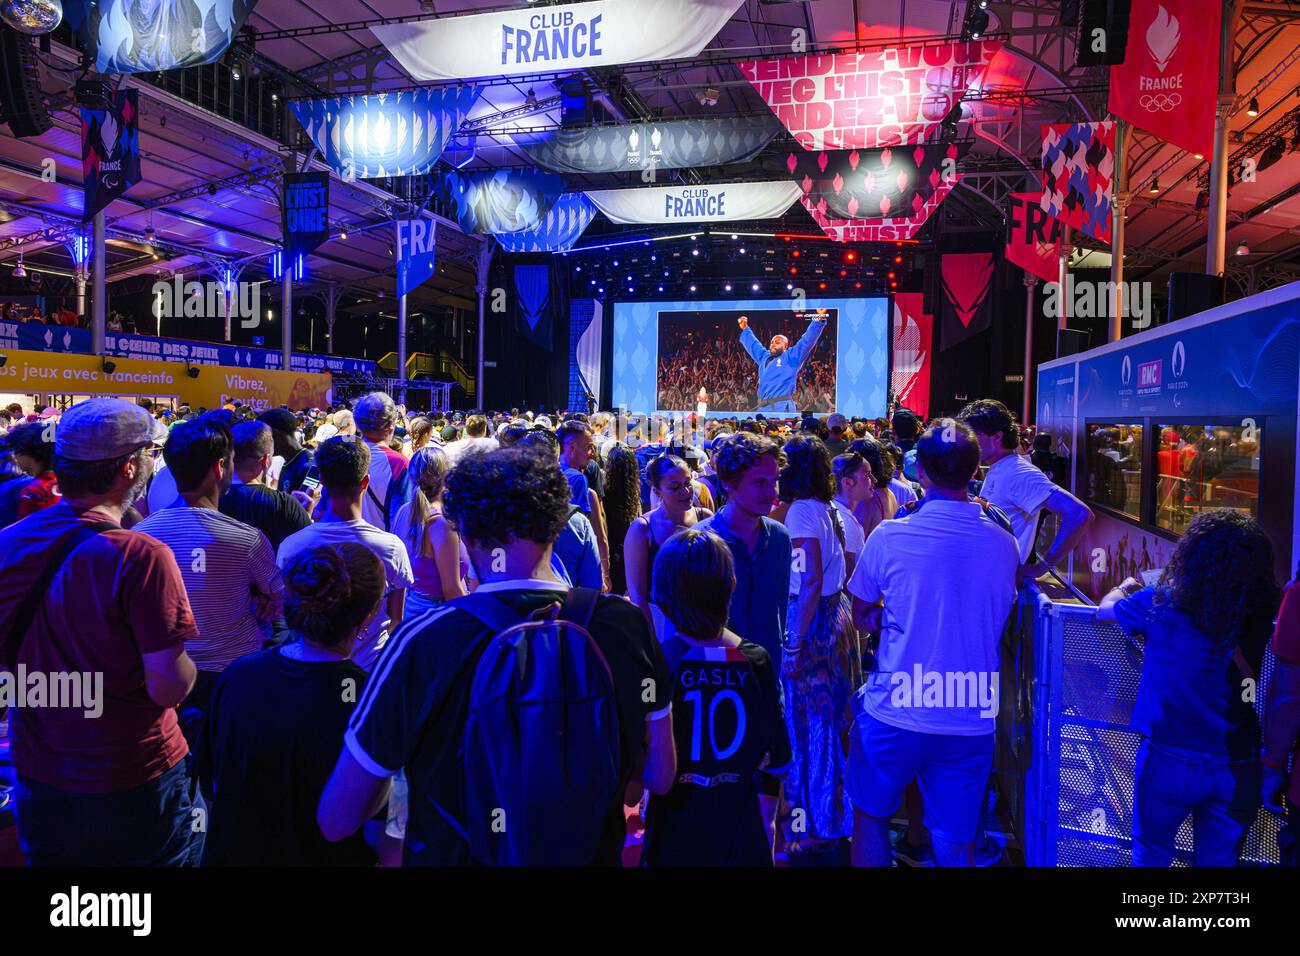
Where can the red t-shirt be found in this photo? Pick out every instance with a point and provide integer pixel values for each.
(118, 595)
(1286, 645)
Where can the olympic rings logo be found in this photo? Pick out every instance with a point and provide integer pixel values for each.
(1160, 102)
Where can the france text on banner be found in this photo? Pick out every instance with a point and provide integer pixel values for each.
(416, 253)
(560, 38)
(869, 98)
(1033, 237)
(669, 204)
(1168, 83)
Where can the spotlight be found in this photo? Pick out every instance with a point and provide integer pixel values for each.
(343, 233)
(275, 97)
(1253, 108)
(1243, 249)
(3, 360)
(109, 367)
(1272, 155)
(191, 370)
(728, 287)
(1155, 186)
(708, 96)
(692, 288)
(1198, 155)
(850, 256)
(236, 70)
(426, 6)
(754, 287)
(530, 100)
(19, 271)
(977, 25)
(149, 235)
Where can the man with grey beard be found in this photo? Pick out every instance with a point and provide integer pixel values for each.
(80, 594)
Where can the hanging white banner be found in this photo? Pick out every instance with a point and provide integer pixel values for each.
(664, 204)
(568, 37)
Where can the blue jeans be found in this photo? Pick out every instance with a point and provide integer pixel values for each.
(161, 823)
(1221, 794)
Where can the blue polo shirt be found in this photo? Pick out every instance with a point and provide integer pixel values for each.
(758, 606)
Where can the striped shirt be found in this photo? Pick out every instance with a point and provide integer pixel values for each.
(224, 564)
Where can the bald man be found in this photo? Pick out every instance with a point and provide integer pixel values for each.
(779, 363)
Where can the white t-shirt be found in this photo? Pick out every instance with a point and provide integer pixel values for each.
(854, 539)
(947, 575)
(1020, 489)
(810, 518)
(903, 492)
(389, 548)
(457, 449)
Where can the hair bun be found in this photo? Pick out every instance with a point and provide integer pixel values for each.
(320, 581)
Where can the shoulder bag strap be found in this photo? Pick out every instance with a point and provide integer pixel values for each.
(26, 611)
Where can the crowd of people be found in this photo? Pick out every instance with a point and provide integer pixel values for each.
(691, 358)
(325, 635)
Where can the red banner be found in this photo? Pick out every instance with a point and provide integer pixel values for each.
(877, 230)
(866, 99)
(913, 334)
(1168, 83)
(967, 278)
(1033, 237)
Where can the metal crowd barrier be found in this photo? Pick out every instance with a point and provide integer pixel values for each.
(1066, 745)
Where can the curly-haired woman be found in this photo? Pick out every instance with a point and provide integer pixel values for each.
(622, 507)
(1204, 627)
(821, 663)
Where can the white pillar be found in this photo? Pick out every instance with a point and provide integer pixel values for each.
(1062, 280)
(1119, 204)
(401, 349)
(99, 285)
(331, 300)
(286, 306)
(1027, 410)
(1217, 219)
(484, 263)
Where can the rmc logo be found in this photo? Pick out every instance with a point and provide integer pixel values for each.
(1149, 374)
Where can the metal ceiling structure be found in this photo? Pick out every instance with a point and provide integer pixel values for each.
(212, 159)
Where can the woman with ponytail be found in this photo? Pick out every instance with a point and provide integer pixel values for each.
(278, 716)
(438, 559)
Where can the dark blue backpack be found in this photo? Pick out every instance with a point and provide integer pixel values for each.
(541, 745)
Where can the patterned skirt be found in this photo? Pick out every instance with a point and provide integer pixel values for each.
(819, 684)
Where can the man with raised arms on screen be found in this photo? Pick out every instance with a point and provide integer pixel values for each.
(779, 363)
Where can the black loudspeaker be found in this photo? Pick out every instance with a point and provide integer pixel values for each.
(1192, 292)
(1111, 17)
(21, 105)
(931, 283)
